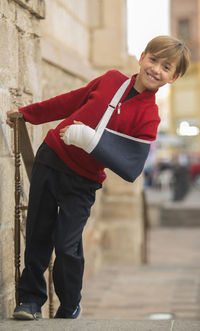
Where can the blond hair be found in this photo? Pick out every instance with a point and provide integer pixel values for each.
(171, 48)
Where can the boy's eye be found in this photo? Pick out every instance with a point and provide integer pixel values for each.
(166, 67)
(153, 59)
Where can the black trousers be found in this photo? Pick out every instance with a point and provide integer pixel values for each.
(59, 206)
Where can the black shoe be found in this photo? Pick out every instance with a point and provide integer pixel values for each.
(62, 313)
(27, 311)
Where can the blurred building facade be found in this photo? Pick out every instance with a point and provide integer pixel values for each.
(185, 92)
(49, 47)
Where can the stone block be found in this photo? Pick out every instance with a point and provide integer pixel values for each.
(122, 241)
(8, 55)
(5, 141)
(94, 13)
(121, 207)
(5, 131)
(114, 185)
(79, 12)
(97, 207)
(58, 59)
(7, 9)
(105, 55)
(78, 41)
(7, 304)
(35, 7)
(36, 26)
(179, 215)
(30, 65)
(114, 18)
(5, 103)
(6, 258)
(26, 22)
(92, 246)
(7, 191)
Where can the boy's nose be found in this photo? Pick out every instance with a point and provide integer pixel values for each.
(156, 68)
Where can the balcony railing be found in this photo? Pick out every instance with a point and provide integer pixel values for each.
(23, 151)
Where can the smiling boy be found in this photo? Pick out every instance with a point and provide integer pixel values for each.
(162, 62)
(65, 177)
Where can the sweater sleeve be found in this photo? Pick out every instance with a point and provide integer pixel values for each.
(147, 124)
(59, 107)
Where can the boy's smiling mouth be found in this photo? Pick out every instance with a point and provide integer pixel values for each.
(152, 77)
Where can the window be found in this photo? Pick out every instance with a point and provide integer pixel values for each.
(184, 29)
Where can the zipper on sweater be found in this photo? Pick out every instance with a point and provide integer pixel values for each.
(118, 108)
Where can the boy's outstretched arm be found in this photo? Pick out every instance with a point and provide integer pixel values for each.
(59, 107)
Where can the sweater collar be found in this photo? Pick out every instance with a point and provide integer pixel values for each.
(145, 93)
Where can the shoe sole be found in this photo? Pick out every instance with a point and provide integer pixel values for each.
(23, 315)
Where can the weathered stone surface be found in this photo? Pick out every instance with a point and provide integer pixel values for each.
(8, 55)
(113, 18)
(6, 258)
(19, 69)
(103, 38)
(30, 65)
(119, 241)
(5, 131)
(26, 22)
(66, 16)
(7, 191)
(94, 13)
(54, 53)
(7, 9)
(121, 206)
(114, 185)
(122, 220)
(35, 7)
(7, 304)
(92, 240)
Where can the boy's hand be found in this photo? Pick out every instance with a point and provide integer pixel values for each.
(77, 134)
(63, 130)
(11, 115)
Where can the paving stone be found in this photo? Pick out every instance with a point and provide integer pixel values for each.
(85, 325)
(169, 283)
(186, 325)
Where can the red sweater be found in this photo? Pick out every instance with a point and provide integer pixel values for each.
(138, 117)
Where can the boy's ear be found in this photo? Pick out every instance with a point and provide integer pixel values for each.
(141, 57)
(173, 79)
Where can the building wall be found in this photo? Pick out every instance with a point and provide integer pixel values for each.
(20, 83)
(44, 58)
(185, 24)
(185, 97)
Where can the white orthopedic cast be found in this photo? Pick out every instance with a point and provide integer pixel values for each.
(79, 135)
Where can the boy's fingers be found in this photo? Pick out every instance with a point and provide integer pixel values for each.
(11, 116)
(11, 124)
(78, 122)
(63, 130)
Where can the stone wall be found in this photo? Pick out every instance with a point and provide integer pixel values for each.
(44, 58)
(20, 84)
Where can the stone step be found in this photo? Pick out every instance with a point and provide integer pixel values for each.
(179, 215)
(99, 325)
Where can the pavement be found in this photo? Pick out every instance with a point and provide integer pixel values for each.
(168, 284)
(162, 295)
(99, 325)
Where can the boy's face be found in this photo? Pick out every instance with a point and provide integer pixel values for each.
(154, 72)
